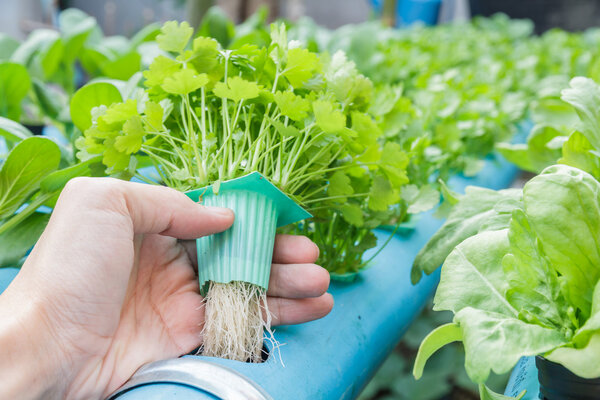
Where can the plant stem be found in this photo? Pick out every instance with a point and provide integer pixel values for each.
(30, 209)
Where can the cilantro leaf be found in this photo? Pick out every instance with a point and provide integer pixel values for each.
(285, 130)
(353, 214)
(133, 131)
(236, 89)
(300, 67)
(174, 37)
(184, 82)
(161, 68)
(328, 118)
(116, 115)
(381, 195)
(339, 184)
(291, 105)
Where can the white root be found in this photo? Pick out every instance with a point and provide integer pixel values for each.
(236, 320)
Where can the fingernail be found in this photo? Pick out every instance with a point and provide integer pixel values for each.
(222, 211)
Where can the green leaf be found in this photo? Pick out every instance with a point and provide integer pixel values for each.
(217, 24)
(393, 164)
(184, 82)
(577, 152)
(534, 285)
(420, 199)
(584, 95)
(13, 131)
(236, 89)
(436, 339)
(381, 195)
(563, 206)
(486, 393)
(25, 167)
(114, 159)
(279, 39)
(393, 155)
(41, 53)
(472, 276)
(328, 118)
(50, 104)
(448, 194)
(134, 133)
(580, 361)
(286, 130)
(14, 85)
(536, 154)
(474, 210)
(367, 130)
(90, 96)
(146, 34)
(75, 26)
(123, 66)
(353, 214)
(117, 114)
(292, 106)
(496, 342)
(339, 185)
(300, 67)
(57, 180)
(346, 83)
(174, 36)
(16, 242)
(206, 57)
(161, 68)
(154, 115)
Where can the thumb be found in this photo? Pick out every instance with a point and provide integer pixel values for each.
(150, 209)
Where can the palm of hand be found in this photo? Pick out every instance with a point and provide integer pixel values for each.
(161, 316)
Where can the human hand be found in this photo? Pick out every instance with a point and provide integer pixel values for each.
(109, 287)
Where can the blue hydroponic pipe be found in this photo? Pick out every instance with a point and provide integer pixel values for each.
(524, 377)
(409, 12)
(334, 357)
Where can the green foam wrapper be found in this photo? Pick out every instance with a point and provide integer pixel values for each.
(244, 252)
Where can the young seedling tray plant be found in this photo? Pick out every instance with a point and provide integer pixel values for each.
(218, 122)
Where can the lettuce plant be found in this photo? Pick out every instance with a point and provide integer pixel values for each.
(530, 288)
(209, 115)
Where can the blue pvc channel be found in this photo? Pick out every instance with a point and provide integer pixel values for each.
(409, 12)
(418, 11)
(335, 357)
(524, 377)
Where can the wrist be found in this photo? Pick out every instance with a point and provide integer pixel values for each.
(30, 368)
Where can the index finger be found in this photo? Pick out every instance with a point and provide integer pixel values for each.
(292, 249)
(289, 249)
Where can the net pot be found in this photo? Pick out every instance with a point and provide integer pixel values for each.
(244, 251)
(558, 383)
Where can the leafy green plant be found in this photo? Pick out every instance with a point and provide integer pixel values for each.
(29, 178)
(50, 59)
(211, 115)
(530, 288)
